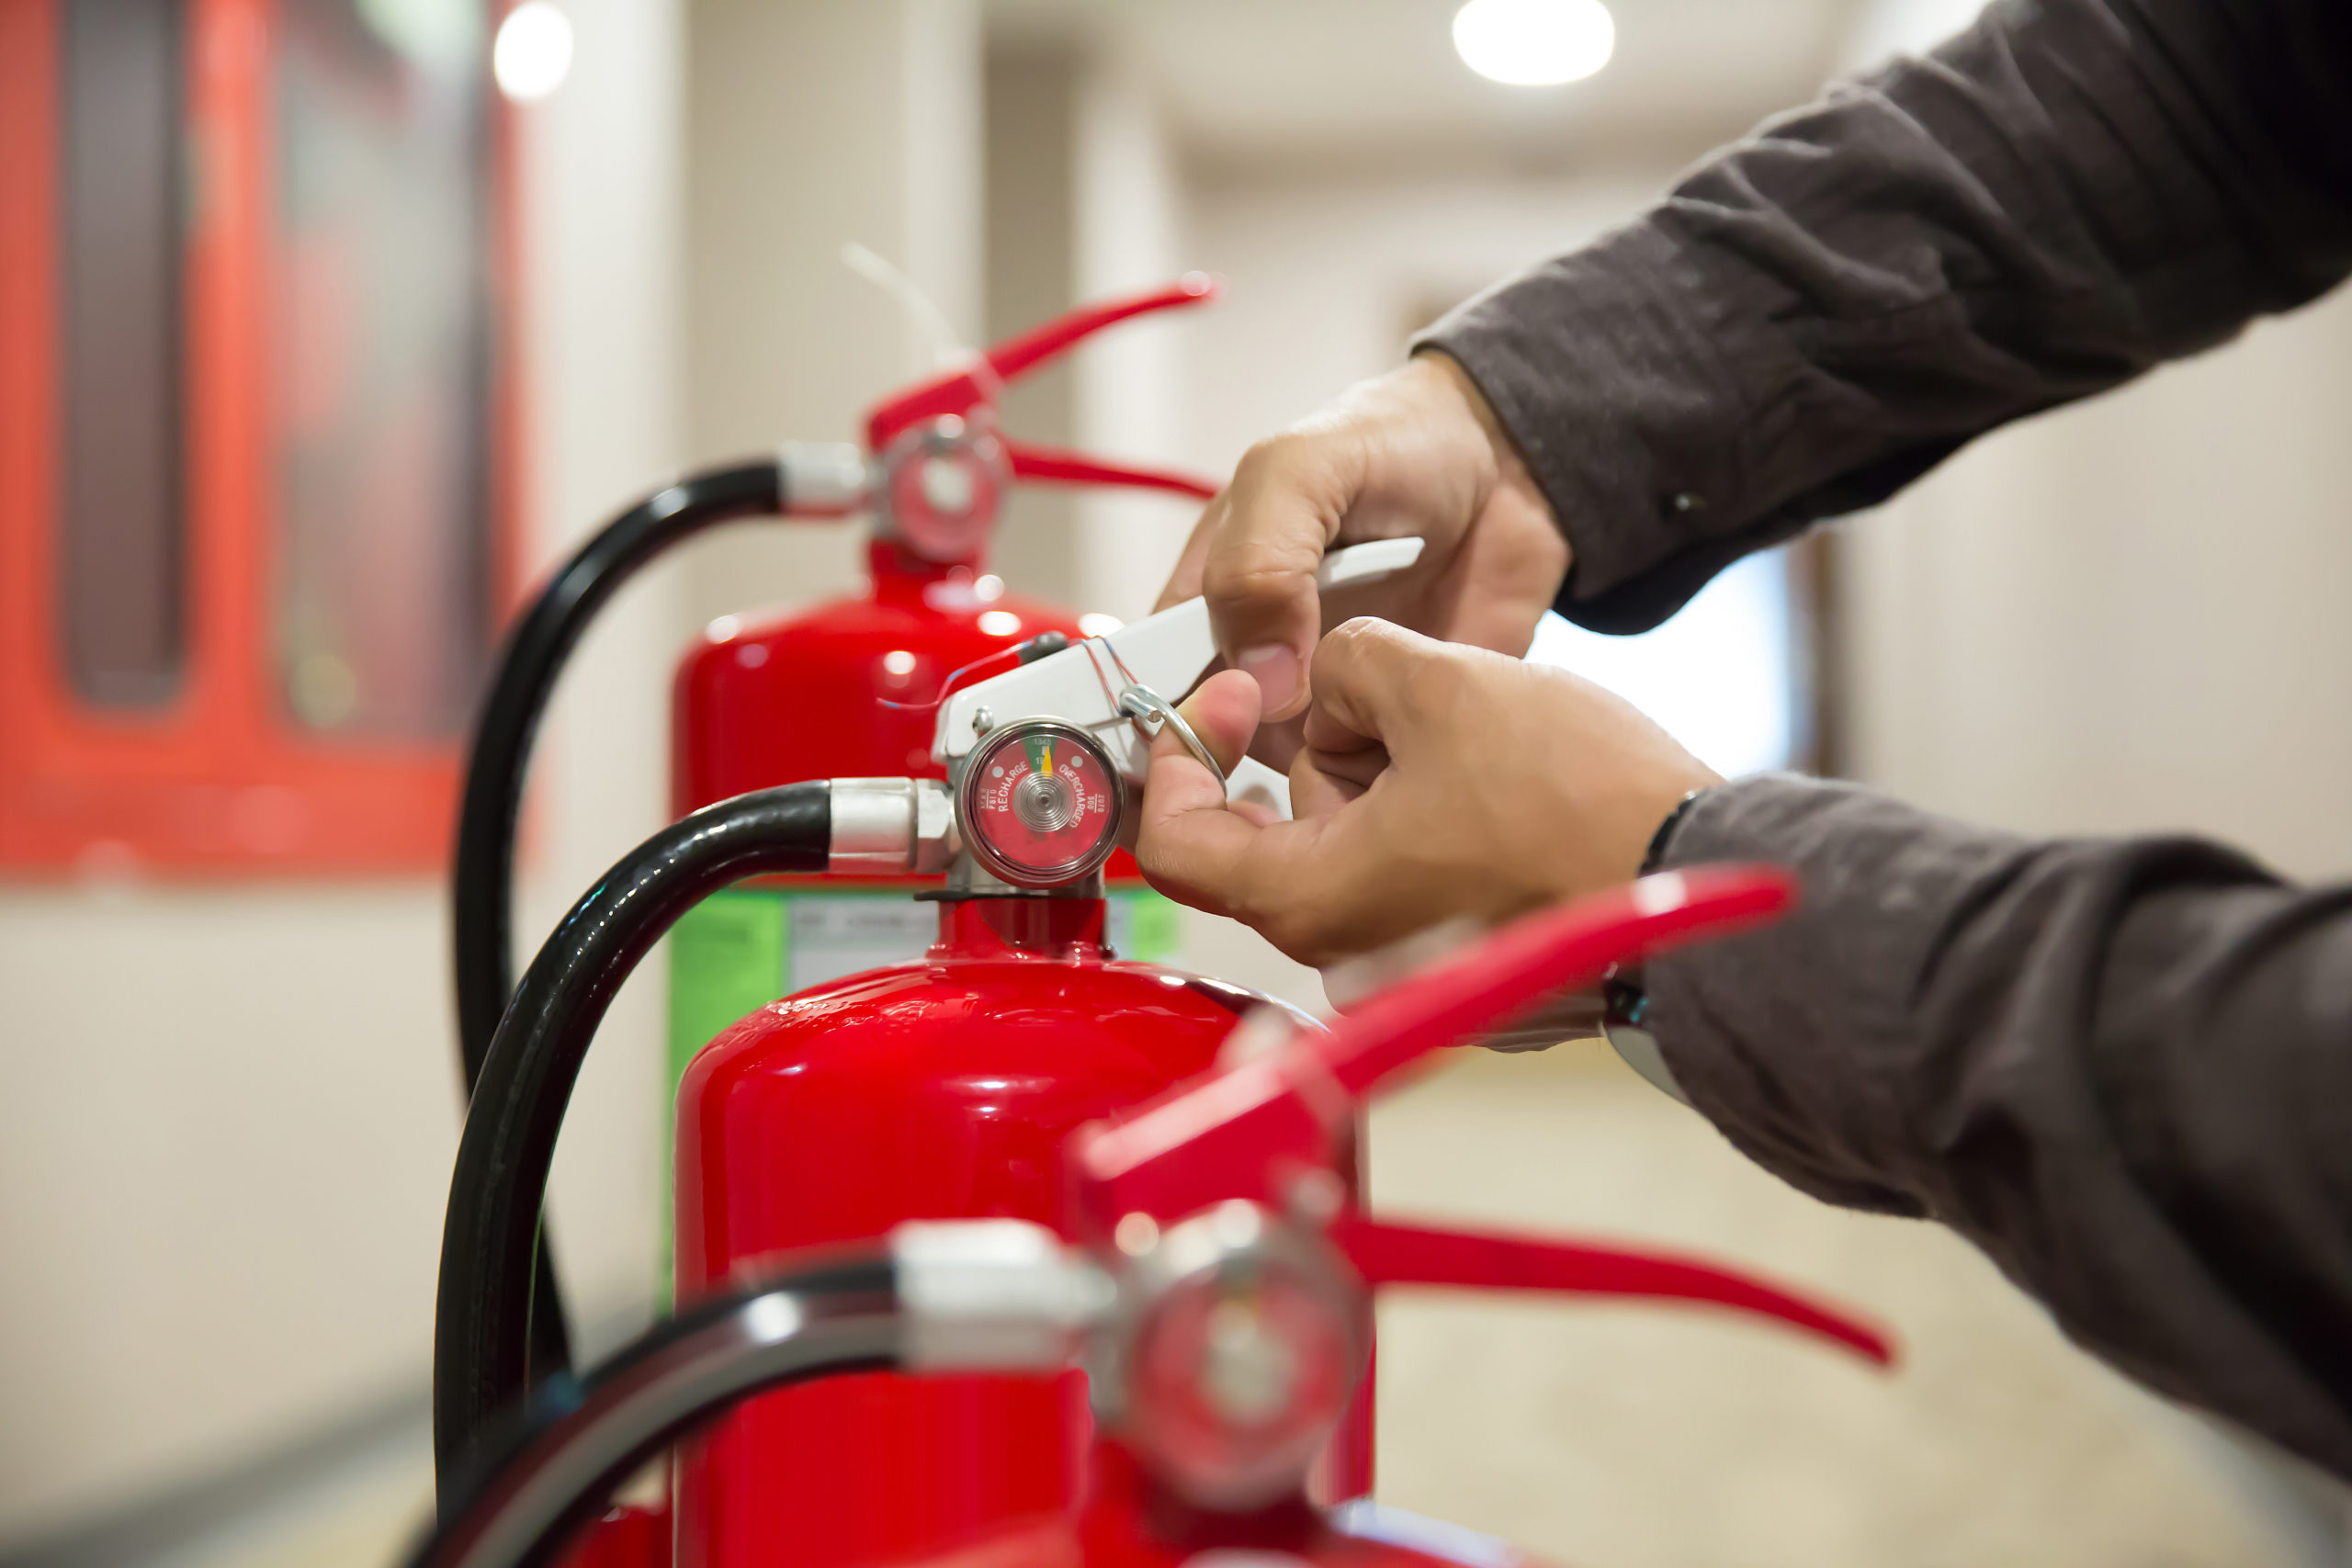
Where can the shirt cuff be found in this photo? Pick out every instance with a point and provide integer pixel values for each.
(1786, 1038)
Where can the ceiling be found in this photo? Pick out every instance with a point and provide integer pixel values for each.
(1245, 83)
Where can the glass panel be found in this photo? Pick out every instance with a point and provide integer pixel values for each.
(1724, 676)
(383, 347)
(121, 535)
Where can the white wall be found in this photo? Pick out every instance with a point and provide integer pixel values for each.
(606, 222)
(1128, 235)
(1028, 216)
(2127, 614)
(813, 123)
(1328, 274)
(227, 1112)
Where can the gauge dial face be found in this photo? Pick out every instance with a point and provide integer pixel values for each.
(1041, 805)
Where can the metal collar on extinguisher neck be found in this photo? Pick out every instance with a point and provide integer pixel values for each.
(823, 479)
(891, 827)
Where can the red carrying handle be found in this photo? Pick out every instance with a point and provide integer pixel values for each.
(1235, 1133)
(959, 392)
(1023, 352)
(1385, 1254)
(1247, 1131)
(1046, 465)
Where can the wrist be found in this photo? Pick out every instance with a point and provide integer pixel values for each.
(1509, 470)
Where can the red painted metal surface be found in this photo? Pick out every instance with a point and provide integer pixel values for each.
(926, 1089)
(1130, 1521)
(802, 697)
(1253, 1130)
(1387, 1254)
(1049, 465)
(1237, 1134)
(935, 1089)
(626, 1537)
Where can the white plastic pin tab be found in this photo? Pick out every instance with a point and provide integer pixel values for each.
(1360, 564)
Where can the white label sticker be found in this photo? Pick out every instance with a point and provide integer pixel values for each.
(836, 936)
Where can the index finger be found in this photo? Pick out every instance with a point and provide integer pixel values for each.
(1267, 535)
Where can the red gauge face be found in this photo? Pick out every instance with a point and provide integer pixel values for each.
(1040, 803)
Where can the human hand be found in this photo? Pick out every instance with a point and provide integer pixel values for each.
(1415, 452)
(1438, 782)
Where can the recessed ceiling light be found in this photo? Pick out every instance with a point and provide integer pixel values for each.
(532, 52)
(1534, 43)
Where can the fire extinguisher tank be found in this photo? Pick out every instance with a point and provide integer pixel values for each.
(814, 694)
(939, 1088)
(805, 696)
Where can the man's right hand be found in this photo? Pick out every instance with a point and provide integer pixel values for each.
(1439, 782)
(1415, 452)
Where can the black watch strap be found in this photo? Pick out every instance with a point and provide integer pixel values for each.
(1654, 855)
(1626, 1001)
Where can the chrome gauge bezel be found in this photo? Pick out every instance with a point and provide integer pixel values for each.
(1018, 732)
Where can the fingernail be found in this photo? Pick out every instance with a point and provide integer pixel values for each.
(1275, 669)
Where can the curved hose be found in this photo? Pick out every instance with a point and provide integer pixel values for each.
(482, 1341)
(484, 880)
(817, 1319)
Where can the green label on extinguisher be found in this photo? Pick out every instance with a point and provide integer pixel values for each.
(740, 949)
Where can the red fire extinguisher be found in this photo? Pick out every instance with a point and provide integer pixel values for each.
(944, 1087)
(928, 1127)
(1205, 1263)
(837, 689)
(829, 690)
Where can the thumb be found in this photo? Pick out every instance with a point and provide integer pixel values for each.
(1375, 681)
(1191, 842)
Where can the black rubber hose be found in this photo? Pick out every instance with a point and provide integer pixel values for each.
(550, 1472)
(482, 915)
(481, 1349)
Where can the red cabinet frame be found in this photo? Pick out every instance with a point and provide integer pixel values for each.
(222, 779)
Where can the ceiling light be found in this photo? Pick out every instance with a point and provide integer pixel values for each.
(1534, 43)
(533, 52)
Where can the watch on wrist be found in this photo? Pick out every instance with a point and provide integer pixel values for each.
(1626, 1000)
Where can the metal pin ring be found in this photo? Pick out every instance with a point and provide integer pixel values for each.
(1143, 705)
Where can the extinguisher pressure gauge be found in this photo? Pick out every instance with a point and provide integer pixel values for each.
(1040, 803)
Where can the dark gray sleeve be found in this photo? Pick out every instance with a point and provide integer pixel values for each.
(2060, 198)
(2121, 1067)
